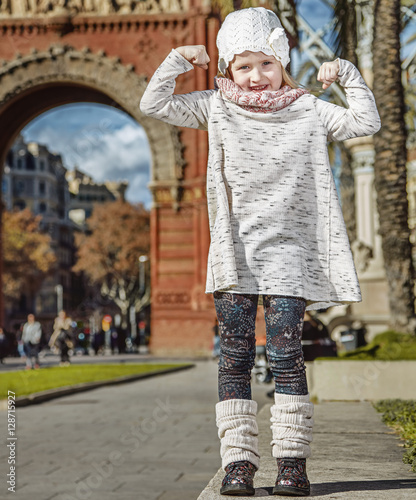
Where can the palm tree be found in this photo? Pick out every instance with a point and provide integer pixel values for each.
(390, 164)
(345, 41)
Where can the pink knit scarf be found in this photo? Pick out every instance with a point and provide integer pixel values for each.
(259, 102)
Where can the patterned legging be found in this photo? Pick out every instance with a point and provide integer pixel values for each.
(236, 315)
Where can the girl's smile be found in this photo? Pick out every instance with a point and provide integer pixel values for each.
(256, 72)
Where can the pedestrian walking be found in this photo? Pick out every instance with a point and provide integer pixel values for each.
(275, 221)
(4, 346)
(62, 337)
(31, 336)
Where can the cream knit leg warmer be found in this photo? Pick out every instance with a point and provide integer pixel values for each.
(292, 424)
(238, 431)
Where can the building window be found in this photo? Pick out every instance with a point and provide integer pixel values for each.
(30, 163)
(42, 188)
(29, 187)
(41, 165)
(19, 205)
(19, 164)
(20, 187)
(42, 207)
(9, 160)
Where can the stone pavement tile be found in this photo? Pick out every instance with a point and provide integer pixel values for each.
(197, 476)
(133, 486)
(153, 494)
(143, 454)
(181, 456)
(79, 436)
(191, 445)
(42, 490)
(179, 495)
(212, 463)
(36, 469)
(153, 473)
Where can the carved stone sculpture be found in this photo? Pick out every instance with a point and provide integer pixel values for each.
(34, 8)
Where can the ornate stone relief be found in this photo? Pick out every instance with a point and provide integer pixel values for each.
(36, 8)
(173, 298)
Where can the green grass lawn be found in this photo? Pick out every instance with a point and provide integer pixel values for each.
(400, 414)
(24, 382)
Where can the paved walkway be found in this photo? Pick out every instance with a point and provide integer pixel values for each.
(354, 456)
(156, 440)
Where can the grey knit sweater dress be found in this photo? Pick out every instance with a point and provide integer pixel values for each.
(275, 220)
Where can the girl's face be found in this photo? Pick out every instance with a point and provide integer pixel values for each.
(256, 72)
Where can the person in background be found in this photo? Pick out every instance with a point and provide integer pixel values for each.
(3, 345)
(62, 336)
(31, 335)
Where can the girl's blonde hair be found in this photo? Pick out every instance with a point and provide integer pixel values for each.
(287, 78)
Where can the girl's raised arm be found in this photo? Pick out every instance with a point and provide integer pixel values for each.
(195, 54)
(185, 110)
(361, 117)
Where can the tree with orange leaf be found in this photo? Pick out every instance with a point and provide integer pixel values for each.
(27, 253)
(118, 234)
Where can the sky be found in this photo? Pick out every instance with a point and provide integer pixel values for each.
(103, 142)
(106, 143)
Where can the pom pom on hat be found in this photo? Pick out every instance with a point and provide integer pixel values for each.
(254, 29)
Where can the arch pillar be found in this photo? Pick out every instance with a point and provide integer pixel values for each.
(374, 310)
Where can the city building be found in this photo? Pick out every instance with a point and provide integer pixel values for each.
(34, 178)
(85, 193)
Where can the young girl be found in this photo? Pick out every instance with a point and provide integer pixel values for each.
(276, 224)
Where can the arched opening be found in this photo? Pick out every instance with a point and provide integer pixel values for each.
(61, 166)
(62, 75)
(57, 91)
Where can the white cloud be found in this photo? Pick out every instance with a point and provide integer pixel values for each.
(102, 142)
(103, 153)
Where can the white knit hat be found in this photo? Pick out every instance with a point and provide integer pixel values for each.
(254, 29)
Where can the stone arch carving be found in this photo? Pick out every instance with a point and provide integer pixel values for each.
(61, 75)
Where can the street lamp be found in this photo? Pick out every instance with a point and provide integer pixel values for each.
(142, 276)
(59, 297)
(142, 288)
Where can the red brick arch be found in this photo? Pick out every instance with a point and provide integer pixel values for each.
(68, 56)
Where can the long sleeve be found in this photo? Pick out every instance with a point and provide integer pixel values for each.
(361, 118)
(186, 110)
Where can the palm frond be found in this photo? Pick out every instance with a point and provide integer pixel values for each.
(411, 39)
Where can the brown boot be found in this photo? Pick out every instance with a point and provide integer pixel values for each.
(292, 479)
(238, 480)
